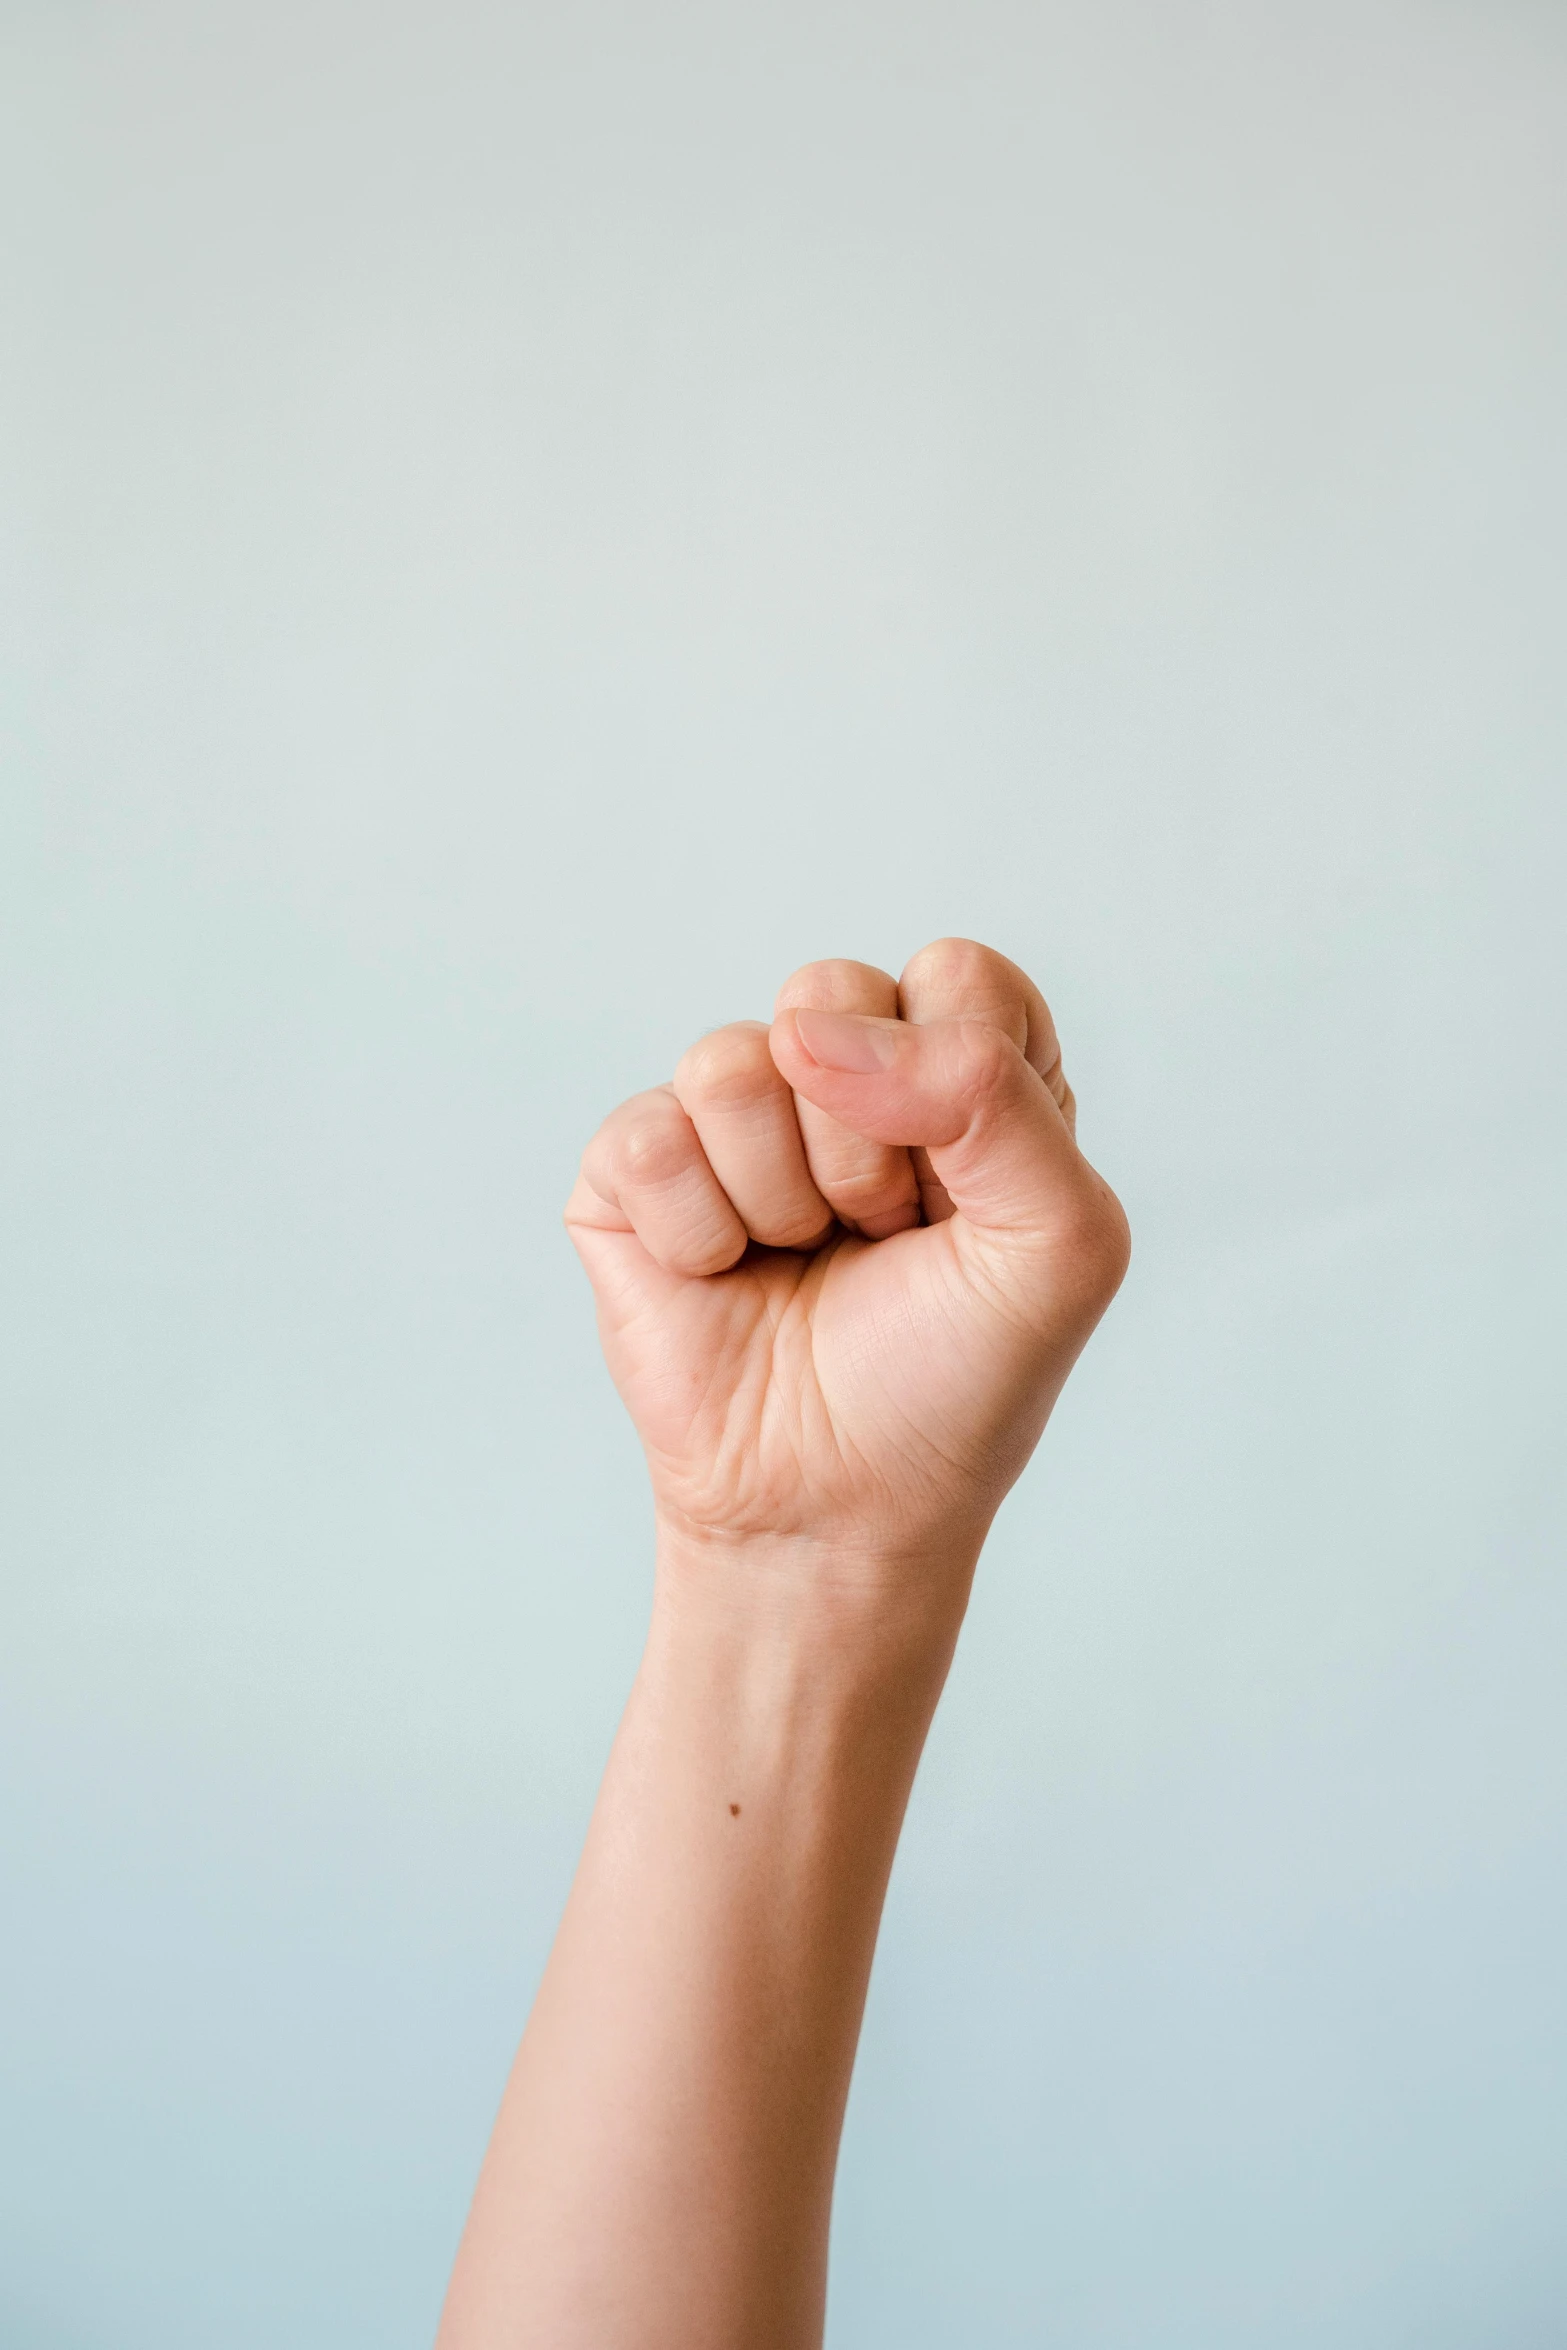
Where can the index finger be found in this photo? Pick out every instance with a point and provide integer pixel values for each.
(958, 979)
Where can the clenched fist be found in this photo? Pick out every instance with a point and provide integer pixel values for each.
(844, 1264)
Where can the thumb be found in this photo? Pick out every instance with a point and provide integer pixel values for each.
(960, 1088)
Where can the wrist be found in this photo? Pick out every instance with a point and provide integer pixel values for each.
(797, 1686)
(852, 1616)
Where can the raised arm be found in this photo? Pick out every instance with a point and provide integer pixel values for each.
(842, 1268)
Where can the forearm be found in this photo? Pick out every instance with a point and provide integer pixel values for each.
(661, 2172)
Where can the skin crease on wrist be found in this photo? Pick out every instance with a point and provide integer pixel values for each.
(842, 1266)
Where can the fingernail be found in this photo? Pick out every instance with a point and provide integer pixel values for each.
(845, 1040)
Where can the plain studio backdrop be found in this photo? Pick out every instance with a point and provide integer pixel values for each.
(522, 524)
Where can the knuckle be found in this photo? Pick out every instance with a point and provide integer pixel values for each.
(838, 984)
(959, 967)
(959, 979)
(731, 1068)
(650, 1144)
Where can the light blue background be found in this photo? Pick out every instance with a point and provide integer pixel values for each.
(521, 525)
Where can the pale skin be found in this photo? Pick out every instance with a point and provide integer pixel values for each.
(842, 1266)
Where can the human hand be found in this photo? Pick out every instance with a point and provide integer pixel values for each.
(843, 1266)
